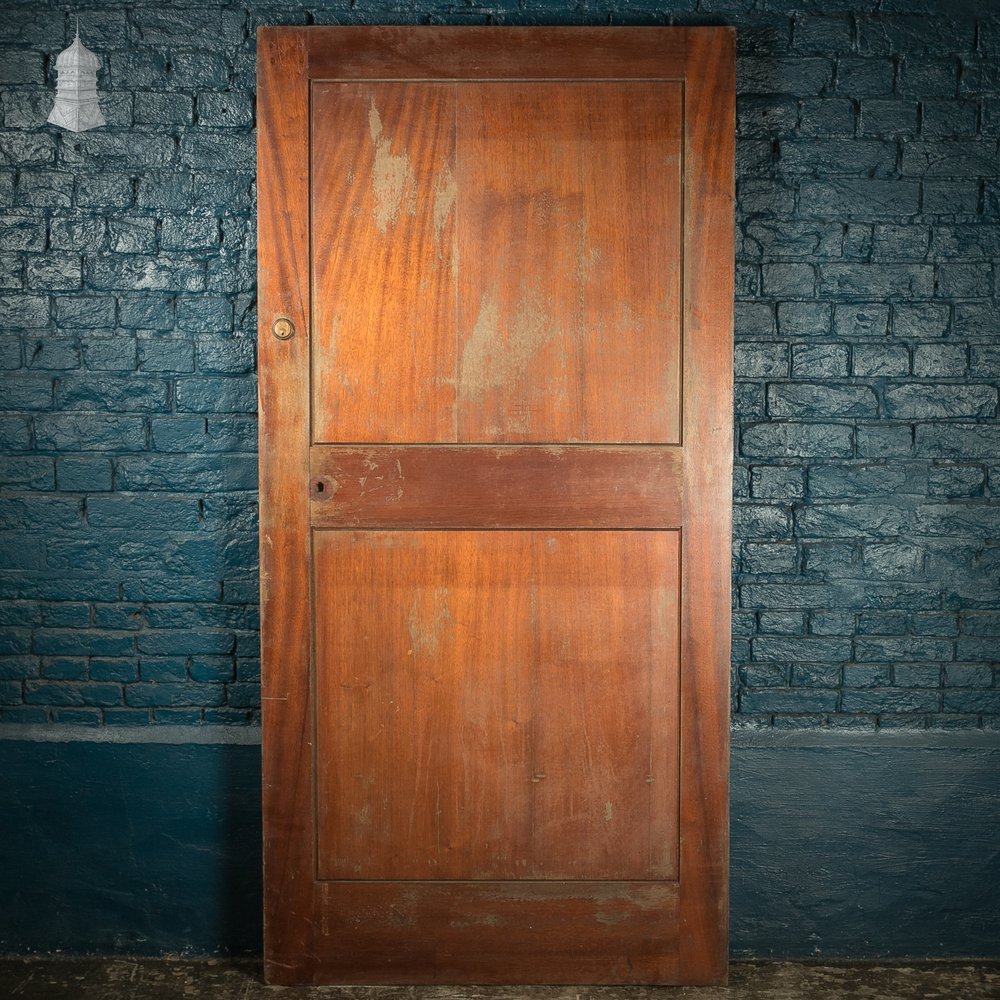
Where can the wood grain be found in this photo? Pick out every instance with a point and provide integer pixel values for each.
(569, 328)
(383, 248)
(283, 289)
(486, 487)
(486, 573)
(441, 755)
(451, 53)
(706, 589)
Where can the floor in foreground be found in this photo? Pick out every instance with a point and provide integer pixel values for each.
(157, 979)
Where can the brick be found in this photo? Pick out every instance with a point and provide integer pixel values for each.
(205, 314)
(986, 702)
(91, 312)
(865, 675)
(804, 319)
(756, 557)
(152, 514)
(948, 119)
(858, 197)
(26, 392)
(165, 190)
(859, 78)
(920, 320)
(190, 233)
(891, 700)
(72, 693)
(132, 234)
(44, 189)
(226, 149)
(26, 149)
(777, 482)
(872, 360)
(163, 668)
(818, 401)
(131, 273)
(760, 521)
(795, 439)
(818, 157)
(23, 312)
(166, 355)
(187, 473)
(973, 280)
(980, 648)
(861, 481)
(922, 401)
(121, 670)
(790, 700)
(918, 675)
(876, 281)
(853, 320)
(777, 239)
(108, 392)
(226, 110)
(161, 108)
(118, 151)
(21, 66)
(229, 356)
(761, 359)
(838, 520)
(28, 472)
(64, 668)
(916, 35)
(51, 353)
(107, 191)
(829, 116)
(76, 233)
(84, 475)
(812, 34)
(819, 360)
(978, 675)
(801, 648)
(15, 432)
(941, 360)
(889, 117)
(901, 243)
(797, 76)
(859, 240)
(145, 695)
(19, 232)
(928, 78)
(788, 279)
(217, 395)
(110, 354)
(146, 312)
(953, 158)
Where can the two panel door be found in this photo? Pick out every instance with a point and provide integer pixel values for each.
(495, 402)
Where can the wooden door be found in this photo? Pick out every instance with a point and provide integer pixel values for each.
(496, 276)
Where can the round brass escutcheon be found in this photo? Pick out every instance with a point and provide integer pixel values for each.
(283, 328)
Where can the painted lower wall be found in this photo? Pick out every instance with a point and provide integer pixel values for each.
(843, 845)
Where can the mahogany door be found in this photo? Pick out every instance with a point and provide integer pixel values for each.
(495, 402)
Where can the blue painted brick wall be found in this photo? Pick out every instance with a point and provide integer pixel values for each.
(866, 559)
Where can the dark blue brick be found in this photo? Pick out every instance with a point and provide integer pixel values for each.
(110, 354)
(217, 395)
(146, 312)
(229, 109)
(187, 473)
(54, 271)
(819, 157)
(889, 118)
(789, 700)
(955, 482)
(852, 519)
(804, 319)
(768, 558)
(26, 392)
(797, 75)
(28, 472)
(827, 117)
(865, 77)
(901, 243)
(873, 360)
(952, 158)
(163, 668)
(58, 693)
(166, 355)
(85, 311)
(920, 320)
(230, 356)
(120, 670)
(866, 675)
(239, 695)
(923, 402)
(64, 668)
(761, 359)
(882, 281)
(976, 675)
(793, 439)
(52, 353)
(890, 700)
(104, 191)
(819, 360)
(18, 667)
(752, 319)
(84, 474)
(165, 190)
(205, 314)
(110, 393)
(779, 238)
(942, 360)
(152, 514)
(987, 702)
(211, 669)
(132, 234)
(812, 400)
(152, 695)
(163, 108)
(858, 197)
(860, 481)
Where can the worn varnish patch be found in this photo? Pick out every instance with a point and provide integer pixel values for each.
(393, 180)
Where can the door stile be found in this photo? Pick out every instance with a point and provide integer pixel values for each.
(286, 613)
(706, 579)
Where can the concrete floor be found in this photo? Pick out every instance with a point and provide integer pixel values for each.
(159, 979)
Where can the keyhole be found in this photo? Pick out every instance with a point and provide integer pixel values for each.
(320, 487)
